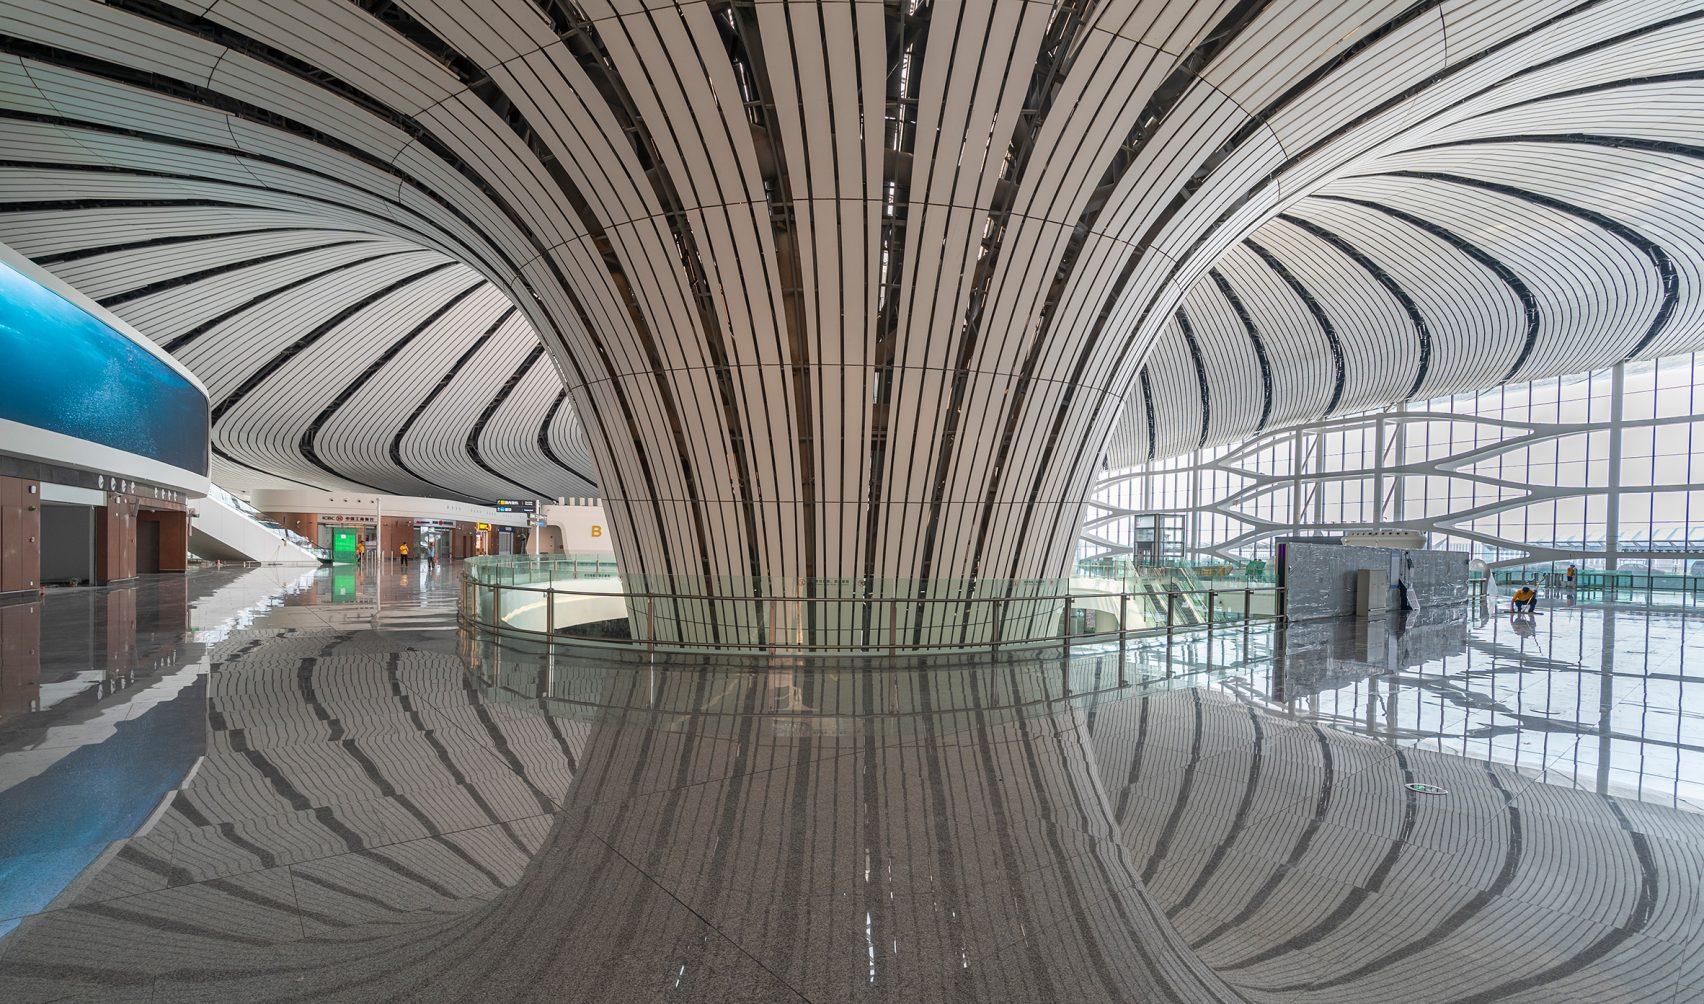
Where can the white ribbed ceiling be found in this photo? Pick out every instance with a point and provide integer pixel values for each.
(1546, 221)
(846, 289)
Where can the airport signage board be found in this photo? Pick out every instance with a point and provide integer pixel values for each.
(343, 545)
(515, 505)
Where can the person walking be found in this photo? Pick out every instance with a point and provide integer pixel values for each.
(1573, 575)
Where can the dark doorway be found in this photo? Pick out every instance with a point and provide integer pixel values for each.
(67, 545)
(147, 546)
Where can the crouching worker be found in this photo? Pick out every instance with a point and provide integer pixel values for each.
(1526, 600)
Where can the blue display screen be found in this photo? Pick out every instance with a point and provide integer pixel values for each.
(64, 370)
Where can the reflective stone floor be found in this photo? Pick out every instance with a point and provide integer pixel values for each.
(266, 784)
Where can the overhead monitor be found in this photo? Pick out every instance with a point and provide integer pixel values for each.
(67, 371)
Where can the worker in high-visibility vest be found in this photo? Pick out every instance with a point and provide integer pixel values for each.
(1525, 599)
(402, 551)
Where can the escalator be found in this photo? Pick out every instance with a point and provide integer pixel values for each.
(227, 529)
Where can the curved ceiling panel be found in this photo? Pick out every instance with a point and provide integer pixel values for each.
(325, 351)
(326, 321)
(846, 289)
(1544, 222)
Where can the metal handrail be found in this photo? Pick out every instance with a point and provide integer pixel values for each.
(1604, 580)
(801, 598)
(870, 644)
(861, 600)
(854, 600)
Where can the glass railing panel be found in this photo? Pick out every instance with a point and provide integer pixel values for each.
(841, 615)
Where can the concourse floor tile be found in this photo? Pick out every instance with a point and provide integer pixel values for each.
(121, 946)
(345, 813)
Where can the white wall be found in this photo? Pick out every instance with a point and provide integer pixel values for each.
(116, 465)
(577, 523)
(527, 611)
(68, 451)
(368, 504)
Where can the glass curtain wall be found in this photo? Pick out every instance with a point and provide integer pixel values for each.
(1603, 469)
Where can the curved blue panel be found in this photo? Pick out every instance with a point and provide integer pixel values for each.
(64, 370)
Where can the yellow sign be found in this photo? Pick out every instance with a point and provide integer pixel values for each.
(482, 526)
(597, 531)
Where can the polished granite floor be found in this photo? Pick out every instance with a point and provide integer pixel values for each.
(266, 784)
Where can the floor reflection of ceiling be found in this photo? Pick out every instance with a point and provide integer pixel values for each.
(370, 821)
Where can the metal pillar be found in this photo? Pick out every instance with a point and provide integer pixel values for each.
(1318, 469)
(1399, 491)
(1192, 541)
(1123, 620)
(379, 560)
(1612, 506)
(1378, 470)
(1295, 480)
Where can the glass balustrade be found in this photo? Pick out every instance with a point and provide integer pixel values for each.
(585, 598)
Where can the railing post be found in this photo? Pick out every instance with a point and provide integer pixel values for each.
(651, 625)
(1171, 610)
(893, 627)
(1210, 595)
(1066, 634)
(496, 607)
(999, 624)
(1123, 632)
(1065, 650)
(550, 614)
(1248, 607)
